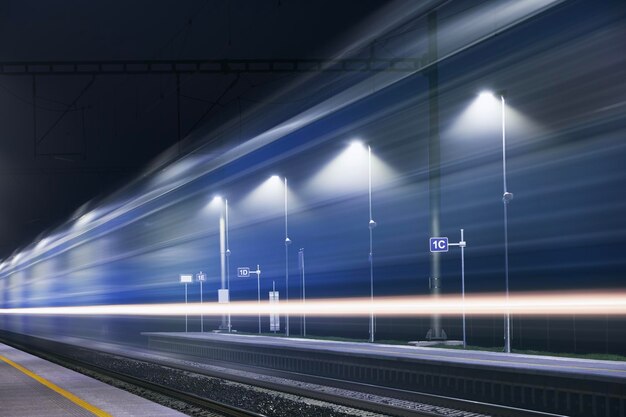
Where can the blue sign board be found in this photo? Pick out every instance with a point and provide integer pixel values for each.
(438, 244)
(243, 272)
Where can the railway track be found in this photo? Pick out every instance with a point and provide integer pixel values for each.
(374, 399)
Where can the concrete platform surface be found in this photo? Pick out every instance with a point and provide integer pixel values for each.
(33, 387)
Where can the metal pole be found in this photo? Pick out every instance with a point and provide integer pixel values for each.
(274, 290)
(506, 197)
(371, 226)
(287, 243)
(227, 264)
(258, 293)
(462, 244)
(201, 313)
(185, 307)
(223, 325)
(301, 259)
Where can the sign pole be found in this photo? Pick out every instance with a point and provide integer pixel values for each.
(301, 262)
(462, 245)
(258, 293)
(244, 272)
(441, 244)
(186, 279)
(201, 276)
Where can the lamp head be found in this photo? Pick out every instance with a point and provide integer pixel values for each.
(486, 94)
(357, 144)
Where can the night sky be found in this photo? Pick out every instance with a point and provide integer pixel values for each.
(88, 143)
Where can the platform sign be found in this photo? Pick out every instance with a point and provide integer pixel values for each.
(438, 244)
(243, 272)
(201, 276)
(274, 317)
(186, 278)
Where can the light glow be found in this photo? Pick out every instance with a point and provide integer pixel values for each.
(554, 304)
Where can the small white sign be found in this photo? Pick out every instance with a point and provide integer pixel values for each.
(274, 317)
(222, 296)
(243, 272)
(201, 276)
(186, 278)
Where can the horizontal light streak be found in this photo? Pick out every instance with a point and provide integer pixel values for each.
(580, 304)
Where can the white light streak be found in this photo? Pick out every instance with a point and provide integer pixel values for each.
(581, 304)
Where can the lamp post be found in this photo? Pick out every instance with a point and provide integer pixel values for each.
(506, 198)
(287, 243)
(371, 226)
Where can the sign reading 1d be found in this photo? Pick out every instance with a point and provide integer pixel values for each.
(438, 244)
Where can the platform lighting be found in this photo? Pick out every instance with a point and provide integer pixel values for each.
(506, 198)
(287, 244)
(358, 146)
(371, 225)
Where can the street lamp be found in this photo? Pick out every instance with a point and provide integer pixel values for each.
(350, 167)
(506, 198)
(287, 244)
(371, 226)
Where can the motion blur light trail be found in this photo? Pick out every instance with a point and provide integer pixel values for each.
(581, 304)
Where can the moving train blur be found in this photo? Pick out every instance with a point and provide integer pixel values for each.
(565, 230)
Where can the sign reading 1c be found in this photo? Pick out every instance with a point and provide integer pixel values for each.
(438, 244)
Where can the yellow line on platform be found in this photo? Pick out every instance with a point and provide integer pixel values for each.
(73, 398)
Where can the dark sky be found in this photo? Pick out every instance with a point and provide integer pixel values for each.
(68, 139)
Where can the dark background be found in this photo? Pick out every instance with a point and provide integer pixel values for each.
(75, 139)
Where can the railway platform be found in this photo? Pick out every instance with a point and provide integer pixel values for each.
(33, 387)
